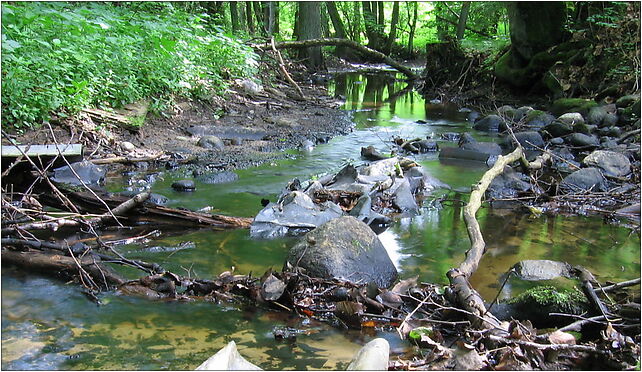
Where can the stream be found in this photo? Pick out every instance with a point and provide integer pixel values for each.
(47, 324)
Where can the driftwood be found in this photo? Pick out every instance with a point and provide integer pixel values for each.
(466, 296)
(150, 213)
(284, 71)
(351, 44)
(56, 264)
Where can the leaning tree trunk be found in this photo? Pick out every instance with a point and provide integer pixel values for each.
(309, 27)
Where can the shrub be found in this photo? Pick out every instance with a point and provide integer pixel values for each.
(62, 57)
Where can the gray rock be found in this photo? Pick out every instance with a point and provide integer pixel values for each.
(608, 143)
(89, 173)
(344, 248)
(538, 119)
(184, 185)
(609, 120)
(250, 87)
(556, 141)
(507, 111)
(528, 140)
(467, 142)
(612, 164)
(542, 270)
(571, 118)
(596, 115)
(491, 123)
(218, 177)
(521, 112)
(371, 153)
(584, 179)
(558, 129)
(472, 116)
(426, 146)
(450, 136)
(227, 359)
(210, 142)
(236, 141)
(307, 145)
(404, 199)
(373, 356)
(583, 140)
(508, 184)
(294, 214)
(614, 132)
(127, 146)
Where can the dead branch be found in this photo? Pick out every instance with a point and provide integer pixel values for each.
(57, 264)
(284, 71)
(555, 347)
(466, 296)
(125, 159)
(613, 287)
(350, 44)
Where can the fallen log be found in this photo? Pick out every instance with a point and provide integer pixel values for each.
(57, 265)
(149, 213)
(350, 44)
(465, 294)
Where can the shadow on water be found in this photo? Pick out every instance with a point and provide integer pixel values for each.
(49, 325)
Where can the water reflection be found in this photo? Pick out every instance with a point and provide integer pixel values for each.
(49, 325)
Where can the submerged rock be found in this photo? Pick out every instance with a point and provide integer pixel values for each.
(491, 123)
(218, 177)
(344, 248)
(89, 173)
(542, 269)
(373, 356)
(184, 185)
(467, 142)
(227, 359)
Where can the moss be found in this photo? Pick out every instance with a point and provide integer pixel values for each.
(566, 301)
(564, 105)
(518, 77)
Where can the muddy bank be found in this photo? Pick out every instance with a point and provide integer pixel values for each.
(250, 125)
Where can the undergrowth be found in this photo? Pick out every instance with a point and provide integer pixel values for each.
(61, 57)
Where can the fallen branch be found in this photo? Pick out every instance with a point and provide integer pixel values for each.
(554, 347)
(466, 296)
(350, 44)
(284, 71)
(613, 287)
(125, 159)
(58, 264)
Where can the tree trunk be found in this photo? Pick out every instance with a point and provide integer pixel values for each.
(276, 8)
(248, 17)
(234, 16)
(309, 27)
(463, 16)
(339, 29)
(380, 14)
(371, 25)
(325, 22)
(270, 17)
(393, 28)
(260, 21)
(357, 22)
(413, 26)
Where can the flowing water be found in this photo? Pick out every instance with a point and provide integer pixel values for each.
(47, 324)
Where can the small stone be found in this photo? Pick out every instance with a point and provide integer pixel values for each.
(582, 140)
(127, 146)
(556, 141)
(211, 142)
(236, 141)
(571, 118)
(184, 185)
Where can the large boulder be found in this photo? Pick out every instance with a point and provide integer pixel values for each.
(612, 164)
(294, 214)
(344, 248)
(78, 173)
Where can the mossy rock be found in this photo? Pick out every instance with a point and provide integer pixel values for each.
(564, 105)
(548, 299)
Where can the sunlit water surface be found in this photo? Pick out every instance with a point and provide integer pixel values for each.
(47, 324)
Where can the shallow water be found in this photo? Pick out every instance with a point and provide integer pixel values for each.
(49, 325)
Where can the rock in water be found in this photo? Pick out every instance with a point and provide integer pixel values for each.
(227, 359)
(184, 185)
(373, 356)
(344, 248)
(542, 270)
(89, 173)
(583, 180)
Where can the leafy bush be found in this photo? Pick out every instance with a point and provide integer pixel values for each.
(62, 57)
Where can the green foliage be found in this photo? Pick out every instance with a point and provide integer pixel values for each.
(62, 57)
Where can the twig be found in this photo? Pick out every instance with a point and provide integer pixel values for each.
(411, 314)
(535, 345)
(284, 71)
(613, 287)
